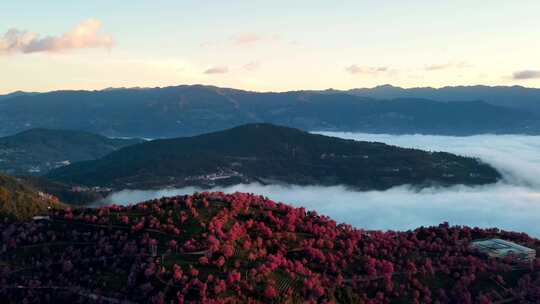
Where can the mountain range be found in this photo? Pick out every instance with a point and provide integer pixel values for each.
(266, 154)
(195, 109)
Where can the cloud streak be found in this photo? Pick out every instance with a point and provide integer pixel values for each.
(252, 66)
(217, 70)
(526, 74)
(356, 69)
(84, 35)
(247, 38)
(449, 65)
(512, 204)
(401, 208)
(516, 156)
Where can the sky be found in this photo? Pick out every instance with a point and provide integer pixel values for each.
(267, 45)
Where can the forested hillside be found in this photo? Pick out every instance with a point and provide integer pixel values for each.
(37, 151)
(243, 248)
(18, 200)
(273, 154)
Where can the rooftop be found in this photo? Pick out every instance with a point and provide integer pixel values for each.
(501, 248)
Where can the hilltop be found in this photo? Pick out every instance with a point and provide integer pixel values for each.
(18, 200)
(16, 94)
(242, 248)
(267, 153)
(36, 151)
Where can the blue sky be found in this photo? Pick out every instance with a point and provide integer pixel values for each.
(268, 45)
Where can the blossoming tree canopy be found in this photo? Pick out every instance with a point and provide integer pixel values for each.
(230, 248)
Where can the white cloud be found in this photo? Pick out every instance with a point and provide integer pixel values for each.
(85, 35)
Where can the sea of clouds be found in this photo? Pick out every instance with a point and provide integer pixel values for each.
(512, 204)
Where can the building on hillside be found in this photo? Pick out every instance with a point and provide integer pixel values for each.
(41, 218)
(498, 248)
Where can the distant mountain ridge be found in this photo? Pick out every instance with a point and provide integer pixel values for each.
(516, 97)
(272, 154)
(195, 109)
(36, 151)
(15, 94)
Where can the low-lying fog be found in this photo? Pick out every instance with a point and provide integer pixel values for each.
(512, 204)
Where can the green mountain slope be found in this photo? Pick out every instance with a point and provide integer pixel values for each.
(273, 154)
(18, 200)
(36, 151)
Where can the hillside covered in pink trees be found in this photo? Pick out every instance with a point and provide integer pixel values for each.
(243, 248)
